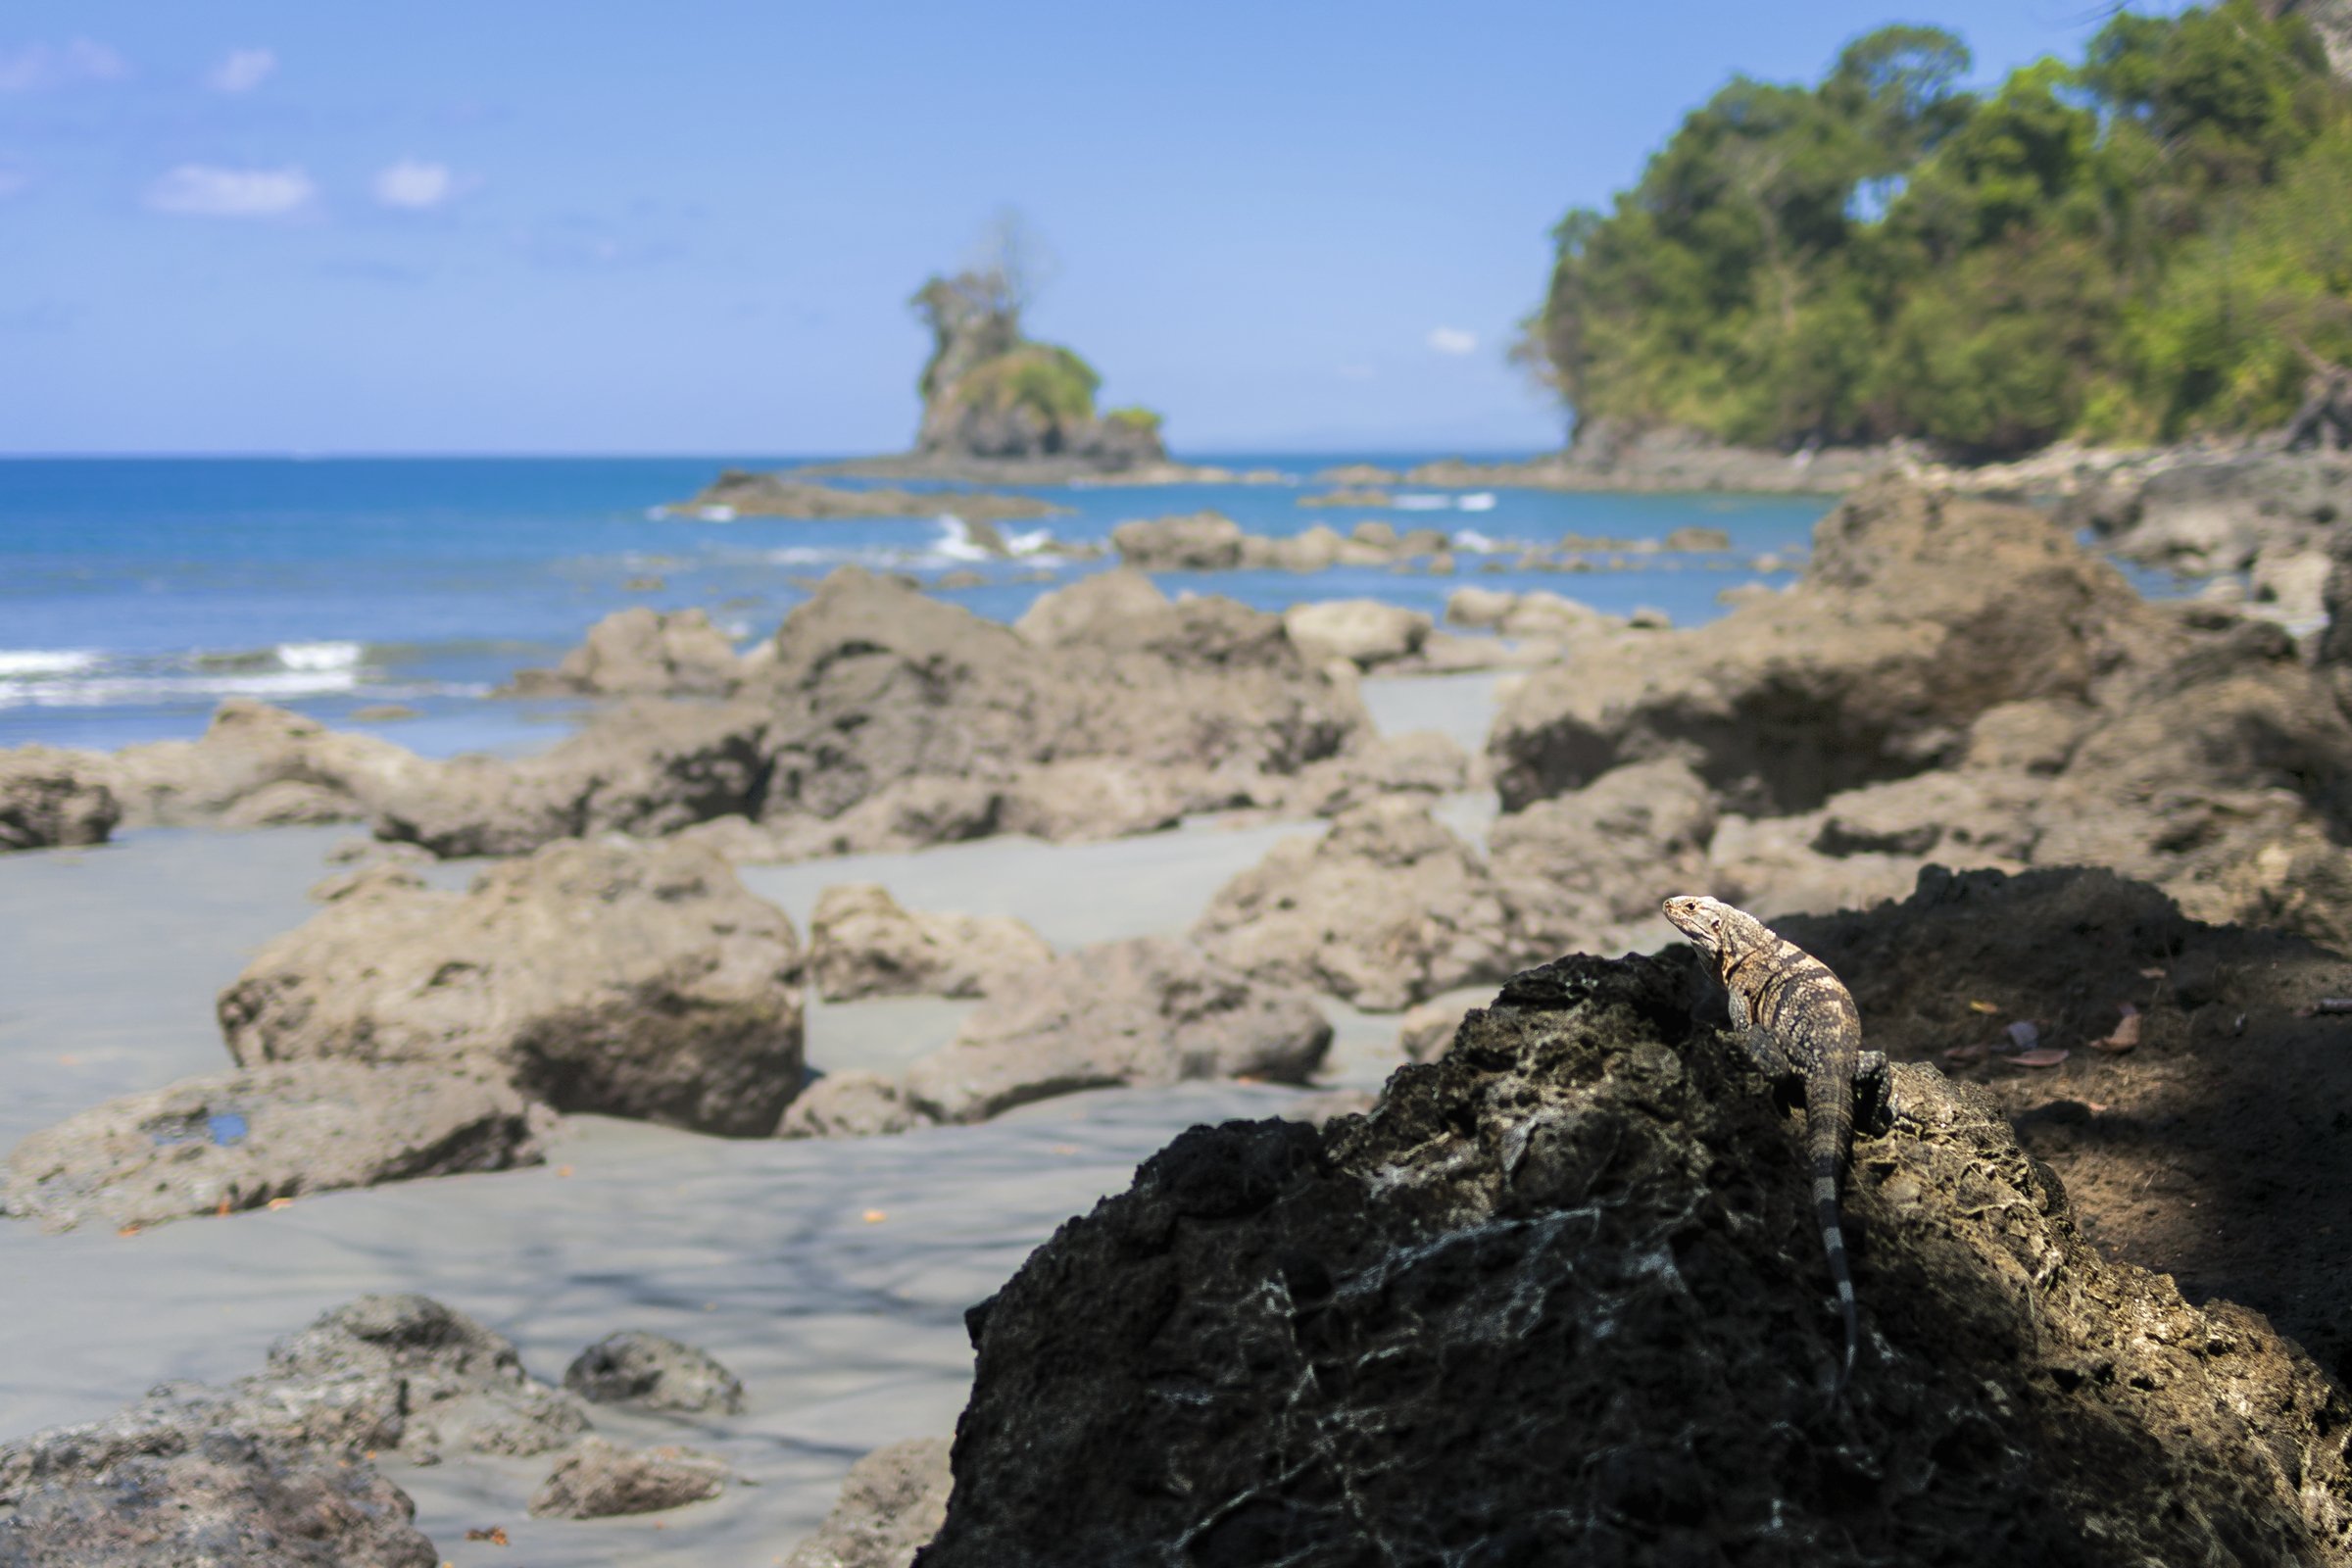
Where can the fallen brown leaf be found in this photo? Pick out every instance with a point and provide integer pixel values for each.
(496, 1534)
(2125, 1035)
(1984, 1006)
(1961, 1055)
(2043, 1057)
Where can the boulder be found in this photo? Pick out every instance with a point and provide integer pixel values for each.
(1362, 631)
(1553, 617)
(1693, 538)
(1917, 613)
(1101, 609)
(50, 797)
(406, 1372)
(1425, 762)
(1480, 609)
(643, 653)
(241, 1139)
(596, 1480)
(1587, 1235)
(1384, 910)
(850, 1105)
(1203, 541)
(630, 980)
(890, 1507)
(863, 944)
(1148, 1012)
(1087, 799)
(1581, 872)
(652, 1372)
(260, 767)
(199, 1498)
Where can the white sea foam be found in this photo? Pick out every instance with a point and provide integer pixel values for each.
(1476, 543)
(1476, 500)
(320, 658)
(1422, 503)
(1036, 542)
(101, 691)
(954, 541)
(716, 513)
(19, 662)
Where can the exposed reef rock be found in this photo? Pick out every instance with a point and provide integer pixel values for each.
(257, 766)
(1210, 541)
(1144, 1011)
(2267, 515)
(1957, 680)
(890, 1509)
(1559, 1297)
(633, 981)
(863, 944)
(49, 797)
(740, 493)
(642, 653)
(652, 1372)
(881, 717)
(598, 1480)
(239, 1140)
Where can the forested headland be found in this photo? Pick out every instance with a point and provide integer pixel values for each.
(2149, 244)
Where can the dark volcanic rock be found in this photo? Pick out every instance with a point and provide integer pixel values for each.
(627, 980)
(50, 797)
(1560, 1299)
(890, 1509)
(220, 1498)
(238, 1140)
(652, 1372)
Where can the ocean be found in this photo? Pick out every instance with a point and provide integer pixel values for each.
(136, 594)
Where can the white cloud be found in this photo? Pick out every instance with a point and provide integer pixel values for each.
(243, 70)
(203, 190)
(38, 66)
(415, 184)
(1452, 340)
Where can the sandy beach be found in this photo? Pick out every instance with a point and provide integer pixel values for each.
(830, 1276)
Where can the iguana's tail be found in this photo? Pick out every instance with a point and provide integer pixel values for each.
(1829, 1133)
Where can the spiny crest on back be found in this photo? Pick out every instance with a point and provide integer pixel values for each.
(1714, 925)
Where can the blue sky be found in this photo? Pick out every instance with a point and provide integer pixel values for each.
(524, 227)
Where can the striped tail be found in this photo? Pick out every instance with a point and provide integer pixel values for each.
(1828, 1129)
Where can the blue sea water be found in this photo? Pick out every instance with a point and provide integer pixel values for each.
(136, 594)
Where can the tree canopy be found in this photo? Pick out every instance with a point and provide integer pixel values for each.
(2153, 242)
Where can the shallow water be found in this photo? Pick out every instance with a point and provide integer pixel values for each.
(134, 594)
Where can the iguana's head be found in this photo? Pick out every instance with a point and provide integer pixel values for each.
(1714, 926)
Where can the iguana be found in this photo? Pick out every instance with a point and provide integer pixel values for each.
(1796, 1020)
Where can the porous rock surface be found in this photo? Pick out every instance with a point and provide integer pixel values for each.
(239, 1140)
(1144, 1011)
(652, 1372)
(1559, 1297)
(871, 690)
(631, 980)
(50, 797)
(890, 1507)
(1956, 680)
(1383, 909)
(1364, 632)
(862, 943)
(217, 1498)
(643, 653)
(850, 1105)
(257, 765)
(596, 1480)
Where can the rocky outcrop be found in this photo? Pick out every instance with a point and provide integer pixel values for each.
(863, 944)
(1582, 872)
(890, 1509)
(51, 797)
(1210, 541)
(629, 980)
(205, 1497)
(741, 493)
(598, 1480)
(1956, 680)
(652, 1372)
(1385, 909)
(852, 1104)
(241, 1139)
(1141, 1012)
(2264, 514)
(257, 767)
(1585, 1235)
(642, 653)
(1363, 632)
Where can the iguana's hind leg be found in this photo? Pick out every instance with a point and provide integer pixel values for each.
(1769, 1057)
(1874, 1094)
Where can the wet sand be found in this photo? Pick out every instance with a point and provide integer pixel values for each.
(846, 1328)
